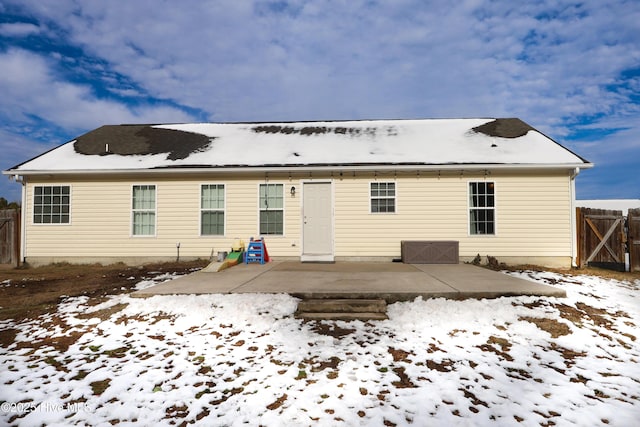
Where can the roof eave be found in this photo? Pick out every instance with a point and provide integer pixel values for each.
(307, 168)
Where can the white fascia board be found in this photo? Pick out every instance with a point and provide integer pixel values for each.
(345, 168)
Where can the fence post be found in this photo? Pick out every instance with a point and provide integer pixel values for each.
(582, 236)
(10, 237)
(633, 239)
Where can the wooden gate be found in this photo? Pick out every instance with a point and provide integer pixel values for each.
(10, 237)
(601, 238)
(633, 241)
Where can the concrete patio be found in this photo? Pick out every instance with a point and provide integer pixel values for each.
(389, 281)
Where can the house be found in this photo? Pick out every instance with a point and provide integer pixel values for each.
(317, 191)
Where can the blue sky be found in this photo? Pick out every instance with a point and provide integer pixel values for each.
(570, 69)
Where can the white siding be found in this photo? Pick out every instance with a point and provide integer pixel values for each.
(101, 221)
(533, 217)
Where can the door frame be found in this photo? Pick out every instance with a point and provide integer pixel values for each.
(325, 257)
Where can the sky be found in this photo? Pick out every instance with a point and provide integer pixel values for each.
(569, 69)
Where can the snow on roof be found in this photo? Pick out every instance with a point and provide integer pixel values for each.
(297, 144)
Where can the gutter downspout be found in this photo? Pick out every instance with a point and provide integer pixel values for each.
(23, 216)
(574, 237)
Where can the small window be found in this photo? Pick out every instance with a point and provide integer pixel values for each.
(271, 209)
(212, 210)
(383, 197)
(482, 204)
(144, 210)
(51, 204)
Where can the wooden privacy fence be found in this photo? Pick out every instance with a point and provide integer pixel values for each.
(633, 239)
(10, 237)
(605, 236)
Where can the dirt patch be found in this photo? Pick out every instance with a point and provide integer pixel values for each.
(31, 292)
(568, 355)
(102, 314)
(445, 366)
(628, 276)
(277, 403)
(399, 355)
(7, 336)
(552, 326)
(405, 381)
(331, 330)
(494, 341)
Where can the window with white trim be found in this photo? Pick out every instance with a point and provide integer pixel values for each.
(383, 197)
(51, 204)
(272, 209)
(212, 210)
(143, 210)
(482, 205)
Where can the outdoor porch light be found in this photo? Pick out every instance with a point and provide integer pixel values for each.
(293, 191)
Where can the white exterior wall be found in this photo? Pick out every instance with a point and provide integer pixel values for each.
(533, 218)
(101, 218)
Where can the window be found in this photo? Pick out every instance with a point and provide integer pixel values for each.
(144, 210)
(383, 197)
(212, 210)
(271, 209)
(51, 204)
(482, 208)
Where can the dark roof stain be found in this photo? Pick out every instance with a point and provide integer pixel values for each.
(504, 128)
(127, 140)
(322, 130)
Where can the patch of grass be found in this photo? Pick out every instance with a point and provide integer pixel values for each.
(98, 387)
(55, 363)
(116, 352)
(201, 393)
(80, 375)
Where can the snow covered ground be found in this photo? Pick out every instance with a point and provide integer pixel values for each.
(245, 360)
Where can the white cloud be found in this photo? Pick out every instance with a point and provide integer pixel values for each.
(18, 29)
(32, 88)
(329, 59)
(15, 149)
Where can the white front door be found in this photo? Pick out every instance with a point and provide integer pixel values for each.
(317, 222)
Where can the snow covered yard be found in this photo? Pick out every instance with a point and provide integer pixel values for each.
(245, 360)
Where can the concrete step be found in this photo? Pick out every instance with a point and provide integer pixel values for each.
(342, 305)
(341, 316)
(342, 309)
